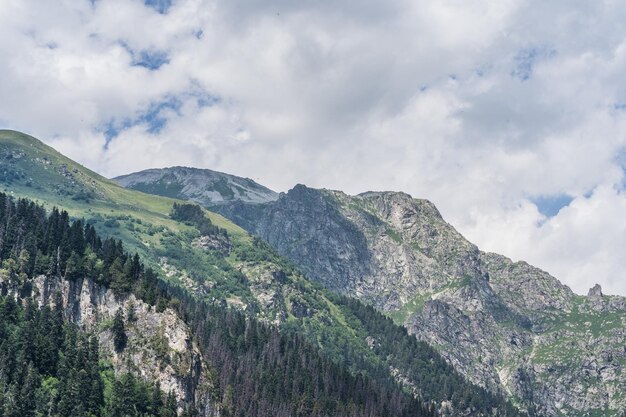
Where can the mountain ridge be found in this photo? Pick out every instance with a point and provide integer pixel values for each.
(204, 186)
(439, 285)
(504, 324)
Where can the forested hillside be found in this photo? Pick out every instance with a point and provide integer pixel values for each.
(263, 373)
(48, 366)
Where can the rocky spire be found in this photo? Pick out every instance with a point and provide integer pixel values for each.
(595, 291)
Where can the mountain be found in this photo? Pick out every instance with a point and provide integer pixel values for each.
(507, 325)
(203, 186)
(269, 341)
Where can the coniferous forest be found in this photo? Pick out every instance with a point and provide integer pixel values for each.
(50, 367)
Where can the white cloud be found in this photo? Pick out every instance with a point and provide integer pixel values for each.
(481, 106)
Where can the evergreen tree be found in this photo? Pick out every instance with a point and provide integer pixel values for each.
(119, 331)
(73, 268)
(131, 314)
(156, 399)
(26, 400)
(170, 408)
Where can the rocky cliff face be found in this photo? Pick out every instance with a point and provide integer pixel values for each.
(159, 347)
(203, 186)
(508, 326)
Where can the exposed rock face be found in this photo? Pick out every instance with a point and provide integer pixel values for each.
(506, 325)
(203, 186)
(214, 243)
(159, 346)
(595, 291)
(342, 258)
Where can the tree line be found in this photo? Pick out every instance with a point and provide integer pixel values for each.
(33, 242)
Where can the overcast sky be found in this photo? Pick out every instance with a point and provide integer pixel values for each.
(510, 115)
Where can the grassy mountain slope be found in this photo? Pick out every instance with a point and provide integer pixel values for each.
(234, 269)
(34, 170)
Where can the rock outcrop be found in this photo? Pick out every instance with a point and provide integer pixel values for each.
(595, 291)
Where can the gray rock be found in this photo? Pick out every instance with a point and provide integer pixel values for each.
(595, 291)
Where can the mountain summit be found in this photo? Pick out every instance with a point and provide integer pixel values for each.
(507, 326)
(203, 186)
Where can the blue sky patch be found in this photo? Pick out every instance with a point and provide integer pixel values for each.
(157, 114)
(152, 60)
(112, 128)
(550, 205)
(161, 6)
(154, 118)
(526, 59)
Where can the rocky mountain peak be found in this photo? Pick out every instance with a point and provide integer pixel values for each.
(595, 291)
(304, 194)
(203, 186)
(509, 326)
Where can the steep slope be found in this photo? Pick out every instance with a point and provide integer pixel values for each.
(65, 373)
(510, 326)
(159, 345)
(207, 259)
(51, 263)
(203, 186)
(29, 168)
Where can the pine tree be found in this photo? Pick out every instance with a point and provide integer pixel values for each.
(73, 268)
(119, 331)
(118, 279)
(131, 314)
(26, 399)
(24, 262)
(42, 263)
(156, 399)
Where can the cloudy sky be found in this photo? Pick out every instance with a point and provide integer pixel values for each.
(510, 115)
